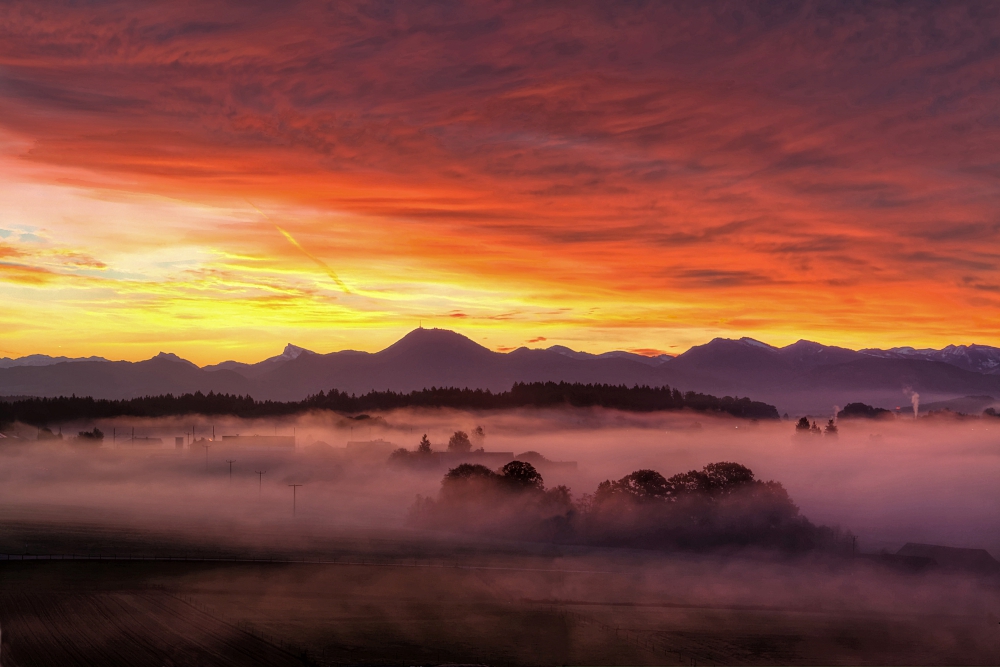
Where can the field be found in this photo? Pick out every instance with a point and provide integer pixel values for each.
(425, 600)
(163, 559)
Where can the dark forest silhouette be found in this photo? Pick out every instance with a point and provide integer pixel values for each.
(45, 411)
(862, 411)
(720, 506)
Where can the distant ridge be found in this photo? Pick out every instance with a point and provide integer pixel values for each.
(976, 358)
(255, 370)
(42, 360)
(804, 377)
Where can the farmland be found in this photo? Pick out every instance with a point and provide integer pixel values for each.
(122, 557)
(432, 600)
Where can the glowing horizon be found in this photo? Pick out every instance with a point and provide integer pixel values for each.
(640, 179)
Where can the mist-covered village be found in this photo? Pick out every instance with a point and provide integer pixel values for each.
(686, 478)
(554, 504)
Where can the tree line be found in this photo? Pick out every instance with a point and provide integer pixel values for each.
(45, 411)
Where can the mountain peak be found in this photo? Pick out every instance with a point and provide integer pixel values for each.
(433, 342)
(294, 351)
(756, 343)
(170, 356)
(802, 344)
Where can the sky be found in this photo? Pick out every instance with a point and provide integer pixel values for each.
(217, 179)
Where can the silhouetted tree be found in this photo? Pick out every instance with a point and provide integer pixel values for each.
(560, 495)
(520, 475)
(400, 455)
(95, 434)
(831, 428)
(467, 471)
(726, 477)
(714, 480)
(641, 485)
(459, 442)
(425, 445)
(803, 425)
(469, 482)
(864, 410)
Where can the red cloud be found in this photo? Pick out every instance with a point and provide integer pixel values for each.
(805, 172)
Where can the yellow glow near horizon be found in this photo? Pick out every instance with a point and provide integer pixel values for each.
(226, 289)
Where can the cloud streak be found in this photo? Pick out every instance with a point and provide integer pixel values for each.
(323, 265)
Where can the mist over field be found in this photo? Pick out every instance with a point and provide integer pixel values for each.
(888, 482)
(394, 587)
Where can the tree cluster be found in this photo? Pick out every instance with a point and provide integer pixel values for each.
(95, 435)
(511, 501)
(721, 505)
(419, 458)
(862, 411)
(803, 427)
(46, 411)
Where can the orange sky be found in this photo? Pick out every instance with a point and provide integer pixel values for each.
(598, 175)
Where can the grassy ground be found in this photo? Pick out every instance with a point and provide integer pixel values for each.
(422, 600)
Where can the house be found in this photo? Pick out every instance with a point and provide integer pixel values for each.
(370, 449)
(254, 442)
(953, 558)
(488, 459)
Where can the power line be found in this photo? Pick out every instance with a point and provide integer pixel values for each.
(295, 487)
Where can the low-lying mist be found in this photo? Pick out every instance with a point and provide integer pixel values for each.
(888, 482)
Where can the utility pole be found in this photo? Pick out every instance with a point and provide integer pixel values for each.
(230, 462)
(206, 455)
(295, 487)
(260, 481)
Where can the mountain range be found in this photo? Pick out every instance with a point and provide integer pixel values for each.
(804, 377)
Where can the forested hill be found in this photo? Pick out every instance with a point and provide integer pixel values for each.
(46, 411)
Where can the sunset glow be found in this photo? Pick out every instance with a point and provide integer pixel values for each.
(219, 179)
